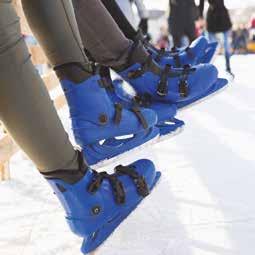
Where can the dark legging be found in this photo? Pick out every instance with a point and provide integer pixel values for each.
(25, 106)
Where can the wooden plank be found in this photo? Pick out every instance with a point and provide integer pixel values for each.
(38, 56)
(5, 172)
(60, 102)
(7, 149)
(51, 81)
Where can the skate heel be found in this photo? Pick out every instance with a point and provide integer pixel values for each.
(170, 127)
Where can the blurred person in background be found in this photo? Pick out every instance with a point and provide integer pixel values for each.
(218, 22)
(252, 27)
(163, 41)
(182, 17)
(240, 38)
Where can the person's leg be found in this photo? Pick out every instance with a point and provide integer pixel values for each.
(227, 50)
(102, 37)
(91, 121)
(191, 30)
(211, 37)
(25, 106)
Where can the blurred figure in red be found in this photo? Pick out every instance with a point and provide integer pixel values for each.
(163, 42)
(252, 28)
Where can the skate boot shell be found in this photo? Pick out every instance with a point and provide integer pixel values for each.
(167, 123)
(99, 124)
(170, 85)
(99, 202)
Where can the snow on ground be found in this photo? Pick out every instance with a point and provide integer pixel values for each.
(203, 205)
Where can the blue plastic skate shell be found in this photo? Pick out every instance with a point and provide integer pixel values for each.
(93, 121)
(199, 52)
(198, 81)
(94, 216)
(217, 86)
(189, 56)
(167, 123)
(209, 53)
(113, 147)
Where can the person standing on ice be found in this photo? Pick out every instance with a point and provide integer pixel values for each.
(182, 17)
(218, 22)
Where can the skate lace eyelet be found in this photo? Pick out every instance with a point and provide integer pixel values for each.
(96, 210)
(103, 119)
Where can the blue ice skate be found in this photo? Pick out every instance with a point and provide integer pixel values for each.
(216, 87)
(97, 203)
(170, 85)
(167, 123)
(191, 55)
(199, 52)
(101, 126)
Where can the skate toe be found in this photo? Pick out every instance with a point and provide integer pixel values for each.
(146, 168)
(205, 76)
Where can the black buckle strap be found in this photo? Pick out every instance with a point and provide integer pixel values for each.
(183, 85)
(160, 54)
(139, 181)
(117, 187)
(140, 116)
(141, 70)
(144, 100)
(118, 113)
(106, 83)
(163, 83)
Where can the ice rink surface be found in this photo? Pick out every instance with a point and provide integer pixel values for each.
(203, 205)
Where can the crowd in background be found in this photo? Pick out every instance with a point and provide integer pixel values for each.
(241, 37)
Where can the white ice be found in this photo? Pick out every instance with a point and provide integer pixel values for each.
(204, 204)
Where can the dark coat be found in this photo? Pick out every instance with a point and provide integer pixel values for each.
(183, 14)
(218, 19)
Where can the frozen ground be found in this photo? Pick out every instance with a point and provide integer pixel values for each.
(204, 204)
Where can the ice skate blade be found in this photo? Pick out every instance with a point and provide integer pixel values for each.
(92, 243)
(203, 99)
(125, 154)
